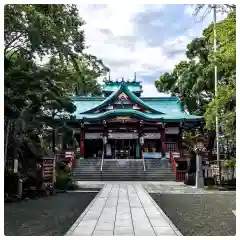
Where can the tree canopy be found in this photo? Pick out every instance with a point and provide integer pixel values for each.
(193, 79)
(36, 91)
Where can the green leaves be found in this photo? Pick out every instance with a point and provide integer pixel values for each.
(194, 79)
(36, 93)
(43, 29)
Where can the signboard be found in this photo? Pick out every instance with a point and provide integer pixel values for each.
(123, 119)
(48, 170)
(172, 130)
(152, 135)
(152, 155)
(93, 135)
(122, 135)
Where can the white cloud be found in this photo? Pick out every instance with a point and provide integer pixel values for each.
(149, 90)
(119, 22)
(189, 9)
(110, 34)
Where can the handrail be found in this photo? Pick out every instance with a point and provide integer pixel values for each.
(102, 161)
(173, 163)
(143, 160)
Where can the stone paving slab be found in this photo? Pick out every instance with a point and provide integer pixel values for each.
(123, 209)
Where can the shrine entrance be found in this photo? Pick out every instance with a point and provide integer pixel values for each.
(122, 148)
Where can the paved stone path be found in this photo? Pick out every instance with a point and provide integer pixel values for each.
(123, 209)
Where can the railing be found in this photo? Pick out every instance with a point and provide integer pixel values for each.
(180, 175)
(68, 156)
(215, 169)
(143, 160)
(102, 163)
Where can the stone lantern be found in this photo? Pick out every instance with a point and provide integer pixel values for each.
(199, 148)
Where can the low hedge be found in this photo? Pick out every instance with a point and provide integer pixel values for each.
(63, 177)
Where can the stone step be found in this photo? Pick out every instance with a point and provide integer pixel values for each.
(129, 170)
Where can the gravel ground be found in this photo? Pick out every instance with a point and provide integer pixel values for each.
(51, 216)
(200, 214)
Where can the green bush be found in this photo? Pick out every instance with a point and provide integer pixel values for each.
(71, 185)
(61, 166)
(63, 178)
(231, 163)
(11, 182)
(209, 181)
(230, 182)
(62, 181)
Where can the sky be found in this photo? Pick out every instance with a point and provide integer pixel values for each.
(148, 39)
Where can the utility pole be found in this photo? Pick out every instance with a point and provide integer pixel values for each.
(216, 87)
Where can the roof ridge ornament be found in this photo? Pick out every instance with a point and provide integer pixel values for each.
(135, 77)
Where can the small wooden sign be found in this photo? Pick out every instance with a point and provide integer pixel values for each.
(48, 170)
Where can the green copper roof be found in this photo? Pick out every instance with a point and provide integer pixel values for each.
(111, 86)
(161, 104)
(84, 104)
(123, 88)
(164, 104)
(162, 109)
(134, 113)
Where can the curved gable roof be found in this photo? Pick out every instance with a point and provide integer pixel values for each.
(122, 89)
(141, 115)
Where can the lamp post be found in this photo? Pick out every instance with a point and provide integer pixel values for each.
(199, 148)
(104, 140)
(141, 141)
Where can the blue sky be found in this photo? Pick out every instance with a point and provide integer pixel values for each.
(147, 39)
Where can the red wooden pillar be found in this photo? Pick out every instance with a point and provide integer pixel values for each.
(163, 140)
(82, 136)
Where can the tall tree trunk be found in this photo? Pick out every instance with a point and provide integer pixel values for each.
(6, 141)
(53, 141)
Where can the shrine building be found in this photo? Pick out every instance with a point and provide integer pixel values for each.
(124, 125)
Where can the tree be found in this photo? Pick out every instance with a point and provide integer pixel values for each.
(36, 94)
(193, 79)
(203, 10)
(53, 29)
(225, 102)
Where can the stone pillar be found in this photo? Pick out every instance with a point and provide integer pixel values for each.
(199, 172)
(82, 136)
(163, 141)
(105, 134)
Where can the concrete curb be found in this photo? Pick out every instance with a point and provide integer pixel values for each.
(164, 215)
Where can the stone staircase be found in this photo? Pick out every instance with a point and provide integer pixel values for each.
(123, 170)
(159, 170)
(87, 170)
